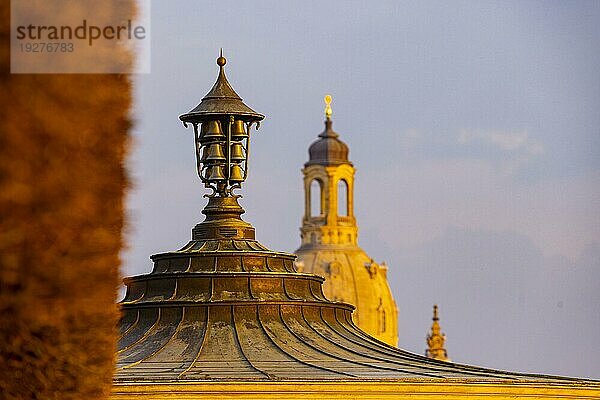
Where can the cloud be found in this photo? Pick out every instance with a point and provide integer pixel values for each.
(412, 134)
(513, 153)
(516, 141)
(559, 215)
(510, 151)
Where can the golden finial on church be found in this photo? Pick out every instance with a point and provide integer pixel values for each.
(436, 340)
(328, 111)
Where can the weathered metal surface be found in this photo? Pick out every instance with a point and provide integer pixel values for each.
(222, 315)
(221, 100)
(328, 149)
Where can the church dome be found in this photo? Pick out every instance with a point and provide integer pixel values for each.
(328, 149)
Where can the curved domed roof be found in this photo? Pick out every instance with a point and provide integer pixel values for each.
(328, 149)
(221, 100)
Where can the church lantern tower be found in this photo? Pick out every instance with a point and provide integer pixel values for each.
(329, 237)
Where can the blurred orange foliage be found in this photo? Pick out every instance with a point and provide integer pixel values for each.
(63, 142)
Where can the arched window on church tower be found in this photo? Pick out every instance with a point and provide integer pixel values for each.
(342, 198)
(316, 194)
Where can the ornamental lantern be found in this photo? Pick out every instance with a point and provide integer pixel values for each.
(222, 125)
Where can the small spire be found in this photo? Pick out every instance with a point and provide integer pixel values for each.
(220, 100)
(328, 110)
(436, 340)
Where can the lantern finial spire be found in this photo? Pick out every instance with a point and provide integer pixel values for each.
(221, 61)
(328, 110)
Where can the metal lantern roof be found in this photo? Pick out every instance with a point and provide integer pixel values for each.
(221, 100)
